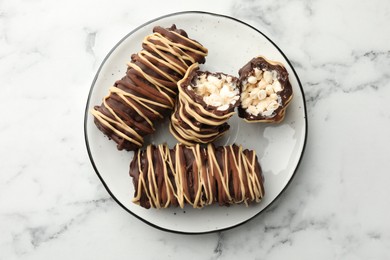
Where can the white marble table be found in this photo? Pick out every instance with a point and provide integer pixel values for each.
(52, 204)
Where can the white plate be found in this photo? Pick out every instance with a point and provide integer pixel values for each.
(231, 44)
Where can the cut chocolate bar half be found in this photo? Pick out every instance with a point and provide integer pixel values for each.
(206, 101)
(265, 91)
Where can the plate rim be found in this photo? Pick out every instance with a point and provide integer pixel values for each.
(86, 113)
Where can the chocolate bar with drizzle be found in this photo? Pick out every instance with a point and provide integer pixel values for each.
(147, 92)
(196, 176)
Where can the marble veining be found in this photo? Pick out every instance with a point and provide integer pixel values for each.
(52, 204)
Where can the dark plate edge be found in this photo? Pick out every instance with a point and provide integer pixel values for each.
(86, 113)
